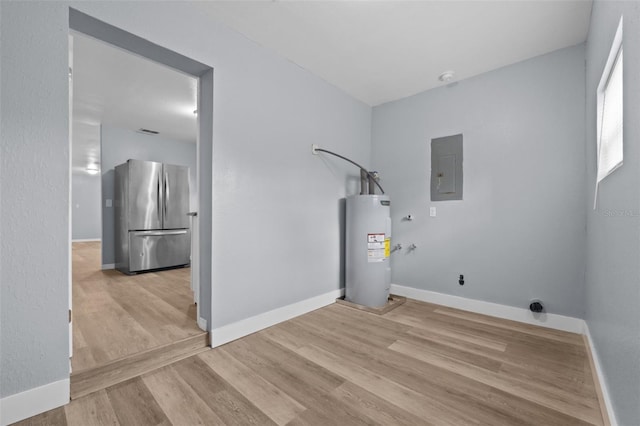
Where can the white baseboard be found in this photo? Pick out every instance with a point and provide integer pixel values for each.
(33, 401)
(202, 323)
(85, 240)
(559, 322)
(236, 330)
(108, 266)
(603, 384)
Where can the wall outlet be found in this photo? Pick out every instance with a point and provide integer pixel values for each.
(432, 211)
(108, 202)
(314, 148)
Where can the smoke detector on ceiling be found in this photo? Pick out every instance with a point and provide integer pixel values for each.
(446, 76)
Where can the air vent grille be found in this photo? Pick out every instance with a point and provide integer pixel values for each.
(148, 131)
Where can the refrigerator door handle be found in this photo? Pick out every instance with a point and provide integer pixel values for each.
(159, 200)
(166, 193)
(159, 233)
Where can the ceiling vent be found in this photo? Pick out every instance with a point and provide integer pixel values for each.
(147, 131)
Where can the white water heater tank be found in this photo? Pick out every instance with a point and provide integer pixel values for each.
(368, 246)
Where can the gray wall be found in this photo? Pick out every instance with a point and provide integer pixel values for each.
(613, 266)
(34, 181)
(85, 207)
(119, 145)
(267, 184)
(519, 232)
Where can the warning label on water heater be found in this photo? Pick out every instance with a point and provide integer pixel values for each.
(376, 248)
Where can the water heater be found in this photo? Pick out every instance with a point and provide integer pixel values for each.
(368, 240)
(368, 246)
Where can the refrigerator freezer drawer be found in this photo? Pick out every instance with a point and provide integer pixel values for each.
(158, 249)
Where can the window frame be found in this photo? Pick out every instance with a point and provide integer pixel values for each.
(615, 58)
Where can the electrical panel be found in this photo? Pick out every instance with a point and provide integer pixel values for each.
(446, 168)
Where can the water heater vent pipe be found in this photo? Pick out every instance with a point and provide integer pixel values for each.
(371, 176)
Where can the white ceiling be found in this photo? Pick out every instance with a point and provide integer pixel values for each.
(118, 88)
(379, 51)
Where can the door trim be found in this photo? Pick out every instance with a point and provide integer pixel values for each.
(88, 25)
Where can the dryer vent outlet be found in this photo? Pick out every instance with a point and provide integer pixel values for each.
(536, 306)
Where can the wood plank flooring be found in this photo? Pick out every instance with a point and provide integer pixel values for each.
(115, 315)
(419, 364)
(118, 371)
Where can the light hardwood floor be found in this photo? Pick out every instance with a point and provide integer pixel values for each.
(115, 315)
(420, 364)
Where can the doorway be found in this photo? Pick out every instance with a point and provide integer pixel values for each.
(150, 309)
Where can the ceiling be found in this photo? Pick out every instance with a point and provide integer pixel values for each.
(118, 88)
(380, 51)
(377, 51)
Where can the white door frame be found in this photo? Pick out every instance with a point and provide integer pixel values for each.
(70, 277)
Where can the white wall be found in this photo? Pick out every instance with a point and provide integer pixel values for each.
(519, 232)
(613, 266)
(118, 146)
(276, 217)
(85, 207)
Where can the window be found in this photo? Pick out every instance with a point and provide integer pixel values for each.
(610, 112)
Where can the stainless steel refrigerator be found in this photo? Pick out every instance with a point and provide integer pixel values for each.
(151, 223)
